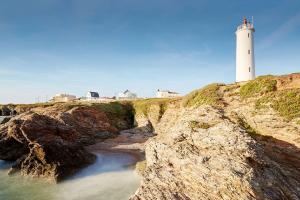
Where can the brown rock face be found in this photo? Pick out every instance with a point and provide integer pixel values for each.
(288, 81)
(236, 151)
(221, 160)
(49, 142)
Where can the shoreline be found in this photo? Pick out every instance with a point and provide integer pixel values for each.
(127, 143)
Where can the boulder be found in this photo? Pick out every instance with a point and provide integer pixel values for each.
(50, 142)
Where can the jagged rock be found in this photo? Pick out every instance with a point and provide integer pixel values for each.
(219, 161)
(49, 142)
(233, 151)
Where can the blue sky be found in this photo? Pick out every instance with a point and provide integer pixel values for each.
(73, 46)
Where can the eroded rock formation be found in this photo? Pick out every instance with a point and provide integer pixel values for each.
(232, 151)
(49, 142)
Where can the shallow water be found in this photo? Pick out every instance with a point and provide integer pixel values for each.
(108, 179)
(1, 118)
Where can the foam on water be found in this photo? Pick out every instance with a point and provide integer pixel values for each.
(1, 118)
(107, 179)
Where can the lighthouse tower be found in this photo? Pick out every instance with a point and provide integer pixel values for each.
(245, 64)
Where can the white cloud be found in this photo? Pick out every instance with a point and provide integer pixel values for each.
(281, 31)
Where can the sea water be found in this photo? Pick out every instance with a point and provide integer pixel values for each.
(1, 118)
(109, 178)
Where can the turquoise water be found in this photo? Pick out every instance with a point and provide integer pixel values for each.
(108, 179)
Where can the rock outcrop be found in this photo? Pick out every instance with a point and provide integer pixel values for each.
(225, 150)
(49, 142)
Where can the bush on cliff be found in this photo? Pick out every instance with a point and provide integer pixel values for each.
(143, 106)
(194, 125)
(260, 85)
(209, 95)
(286, 103)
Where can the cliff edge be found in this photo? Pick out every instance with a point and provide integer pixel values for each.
(48, 141)
(238, 141)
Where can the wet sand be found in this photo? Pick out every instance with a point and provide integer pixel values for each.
(126, 142)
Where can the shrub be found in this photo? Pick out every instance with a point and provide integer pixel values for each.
(195, 125)
(260, 85)
(143, 106)
(286, 103)
(209, 95)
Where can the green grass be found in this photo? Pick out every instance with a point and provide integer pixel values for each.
(20, 108)
(143, 106)
(195, 125)
(286, 103)
(208, 95)
(28, 106)
(251, 131)
(114, 108)
(259, 86)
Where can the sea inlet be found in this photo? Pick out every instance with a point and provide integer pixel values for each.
(111, 177)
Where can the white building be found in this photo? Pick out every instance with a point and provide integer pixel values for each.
(92, 95)
(245, 64)
(63, 98)
(127, 95)
(166, 94)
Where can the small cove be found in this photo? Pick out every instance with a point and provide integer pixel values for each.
(109, 178)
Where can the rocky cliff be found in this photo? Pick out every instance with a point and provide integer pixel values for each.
(49, 141)
(238, 141)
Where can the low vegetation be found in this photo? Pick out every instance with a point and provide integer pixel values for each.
(259, 86)
(27, 106)
(143, 106)
(194, 125)
(209, 95)
(251, 131)
(114, 108)
(286, 103)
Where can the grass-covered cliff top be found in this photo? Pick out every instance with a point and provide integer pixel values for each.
(273, 91)
(261, 85)
(143, 106)
(285, 101)
(209, 95)
(112, 108)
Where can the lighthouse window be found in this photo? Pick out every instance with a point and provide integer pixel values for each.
(248, 35)
(248, 51)
(249, 69)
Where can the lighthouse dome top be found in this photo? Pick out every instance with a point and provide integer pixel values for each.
(246, 25)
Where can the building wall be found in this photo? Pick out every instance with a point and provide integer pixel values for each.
(127, 96)
(245, 64)
(161, 94)
(63, 98)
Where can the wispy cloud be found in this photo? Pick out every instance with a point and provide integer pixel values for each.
(284, 29)
(8, 72)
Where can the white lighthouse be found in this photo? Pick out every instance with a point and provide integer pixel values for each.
(245, 64)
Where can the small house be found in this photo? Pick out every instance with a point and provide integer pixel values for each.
(166, 94)
(127, 95)
(92, 95)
